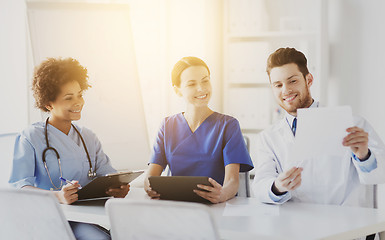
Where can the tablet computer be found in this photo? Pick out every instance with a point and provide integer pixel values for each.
(179, 188)
(97, 188)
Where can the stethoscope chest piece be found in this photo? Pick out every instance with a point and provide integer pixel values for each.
(91, 173)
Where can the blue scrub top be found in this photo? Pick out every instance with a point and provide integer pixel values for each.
(217, 142)
(28, 167)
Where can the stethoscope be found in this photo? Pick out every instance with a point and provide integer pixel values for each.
(91, 172)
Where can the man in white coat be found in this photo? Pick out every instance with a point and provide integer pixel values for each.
(344, 180)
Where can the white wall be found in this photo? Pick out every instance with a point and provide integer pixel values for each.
(13, 49)
(13, 80)
(194, 28)
(148, 22)
(165, 31)
(357, 50)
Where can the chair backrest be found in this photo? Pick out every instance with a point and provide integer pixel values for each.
(159, 219)
(32, 214)
(7, 142)
(244, 184)
(244, 177)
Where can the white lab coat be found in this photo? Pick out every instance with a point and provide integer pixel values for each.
(326, 179)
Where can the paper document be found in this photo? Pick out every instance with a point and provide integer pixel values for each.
(246, 210)
(320, 131)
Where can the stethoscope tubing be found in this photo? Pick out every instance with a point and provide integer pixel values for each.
(91, 172)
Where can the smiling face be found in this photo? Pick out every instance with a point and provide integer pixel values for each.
(68, 104)
(195, 86)
(290, 88)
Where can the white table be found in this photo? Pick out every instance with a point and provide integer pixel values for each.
(288, 221)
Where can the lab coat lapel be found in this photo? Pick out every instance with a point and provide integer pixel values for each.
(285, 131)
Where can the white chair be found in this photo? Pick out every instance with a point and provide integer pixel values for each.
(244, 184)
(244, 177)
(159, 219)
(32, 214)
(7, 143)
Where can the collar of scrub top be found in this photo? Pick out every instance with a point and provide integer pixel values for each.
(91, 172)
(290, 118)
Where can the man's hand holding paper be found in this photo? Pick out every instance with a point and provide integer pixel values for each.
(287, 181)
(357, 140)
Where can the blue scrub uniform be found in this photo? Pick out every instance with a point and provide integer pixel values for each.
(28, 168)
(217, 142)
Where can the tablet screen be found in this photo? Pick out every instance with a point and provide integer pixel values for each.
(179, 188)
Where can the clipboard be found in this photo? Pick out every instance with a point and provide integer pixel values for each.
(96, 189)
(179, 188)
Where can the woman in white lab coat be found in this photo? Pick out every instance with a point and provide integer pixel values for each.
(56, 148)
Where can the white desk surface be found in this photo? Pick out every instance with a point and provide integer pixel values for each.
(288, 221)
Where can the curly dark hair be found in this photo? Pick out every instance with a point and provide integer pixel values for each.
(52, 74)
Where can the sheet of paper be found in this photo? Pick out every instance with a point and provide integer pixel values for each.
(320, 131)
(237, 210)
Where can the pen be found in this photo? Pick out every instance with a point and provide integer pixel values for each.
(68, 181)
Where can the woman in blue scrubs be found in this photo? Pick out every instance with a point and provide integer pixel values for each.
(58, 87)
(199, 141)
